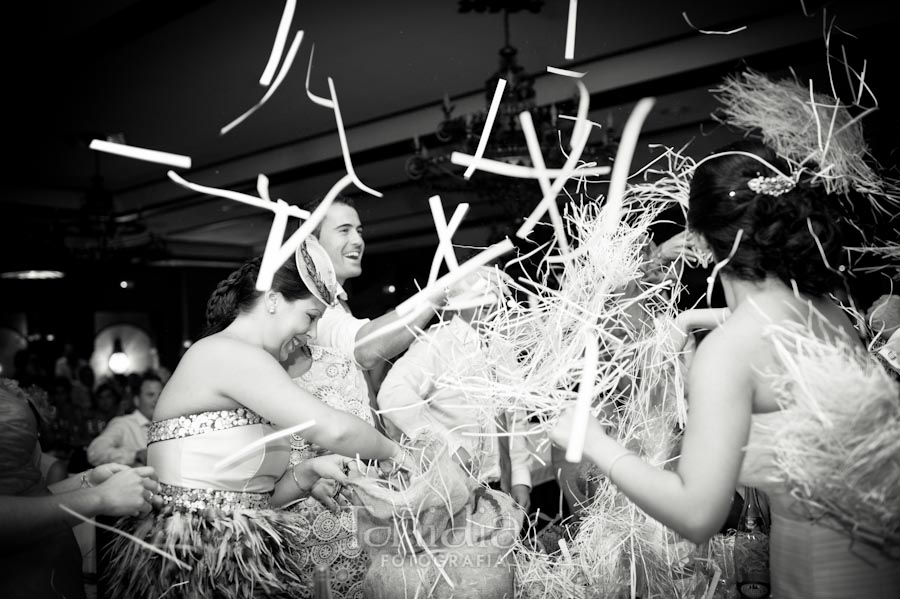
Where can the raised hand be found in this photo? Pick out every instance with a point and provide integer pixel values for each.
(562, 431)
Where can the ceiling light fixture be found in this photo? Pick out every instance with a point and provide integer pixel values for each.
(33, 275)
(553, 122)
(119, 362)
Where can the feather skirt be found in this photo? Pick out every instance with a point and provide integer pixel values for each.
(242, 554)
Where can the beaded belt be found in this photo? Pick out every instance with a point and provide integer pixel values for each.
(193, 500)
(204, 422)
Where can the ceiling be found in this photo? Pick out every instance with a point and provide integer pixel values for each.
(169, 74)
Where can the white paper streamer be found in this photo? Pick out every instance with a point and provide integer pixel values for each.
(582, 409)
(521, 172)
(456, 275)
(251, 447)
(285, 67)
(488, 125)
(570, 29)
(130, 537)
(688, 21)
(445, 233)
(236, 196)
(580, 134)
(280, 38)
(537, 160)
(345, 149)
(272, 262)
(315, 99)
(612, 211)
(566, 72)
(176, 160)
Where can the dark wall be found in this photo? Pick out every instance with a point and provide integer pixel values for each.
(173, 301)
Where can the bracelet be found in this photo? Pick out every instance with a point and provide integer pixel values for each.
(614, 461)
(85, 483)
(303, 492)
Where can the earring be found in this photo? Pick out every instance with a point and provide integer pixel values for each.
(272, 309)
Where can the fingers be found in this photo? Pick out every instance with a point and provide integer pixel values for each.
(323, 492)
(334, 473)
(332, 467)
(145, 471)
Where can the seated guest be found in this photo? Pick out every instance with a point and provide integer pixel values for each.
(411, 398)
(105, 404)
(124, 440)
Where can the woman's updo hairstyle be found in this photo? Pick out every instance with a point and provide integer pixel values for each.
(237, 293)
(776, 237)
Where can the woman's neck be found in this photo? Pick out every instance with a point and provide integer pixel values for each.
(738, 291)
(250, 329)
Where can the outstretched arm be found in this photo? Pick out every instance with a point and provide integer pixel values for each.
(391, 344)
(25, 519)
(695, 499)
(253, 378)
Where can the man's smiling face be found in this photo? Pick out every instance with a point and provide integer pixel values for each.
(341, 236)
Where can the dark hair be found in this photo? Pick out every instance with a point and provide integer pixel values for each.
(316, 202)
(107, 386)
(237, 293)
(776, 235)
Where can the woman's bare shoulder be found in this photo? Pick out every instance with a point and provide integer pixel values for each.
(219, 348)
(205, 373)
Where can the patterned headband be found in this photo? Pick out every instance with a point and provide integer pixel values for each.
(317, 271)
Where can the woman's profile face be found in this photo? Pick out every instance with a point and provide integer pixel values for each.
(299, 318)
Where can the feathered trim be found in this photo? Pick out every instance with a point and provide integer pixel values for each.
(837, 446)
(811, 131)
(245, 554)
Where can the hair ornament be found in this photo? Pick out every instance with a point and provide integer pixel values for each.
(317, 271)
(771, 186)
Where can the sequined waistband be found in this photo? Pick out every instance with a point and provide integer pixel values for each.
(205, 422)
(194, 500)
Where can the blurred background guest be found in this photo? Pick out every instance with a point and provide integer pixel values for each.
(124, 439)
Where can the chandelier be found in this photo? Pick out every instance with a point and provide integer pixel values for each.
(431, 164)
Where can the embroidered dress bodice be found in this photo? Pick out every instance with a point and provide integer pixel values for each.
(186, 452)
(335, 381)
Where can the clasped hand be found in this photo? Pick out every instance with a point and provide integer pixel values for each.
(123, 490)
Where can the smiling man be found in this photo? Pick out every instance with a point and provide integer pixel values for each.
(341, 234)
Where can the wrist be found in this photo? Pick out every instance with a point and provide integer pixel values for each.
(615, 462)
(92, 502)
(601, 451)
(302, 487)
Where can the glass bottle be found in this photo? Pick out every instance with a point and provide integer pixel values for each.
(751, 553)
